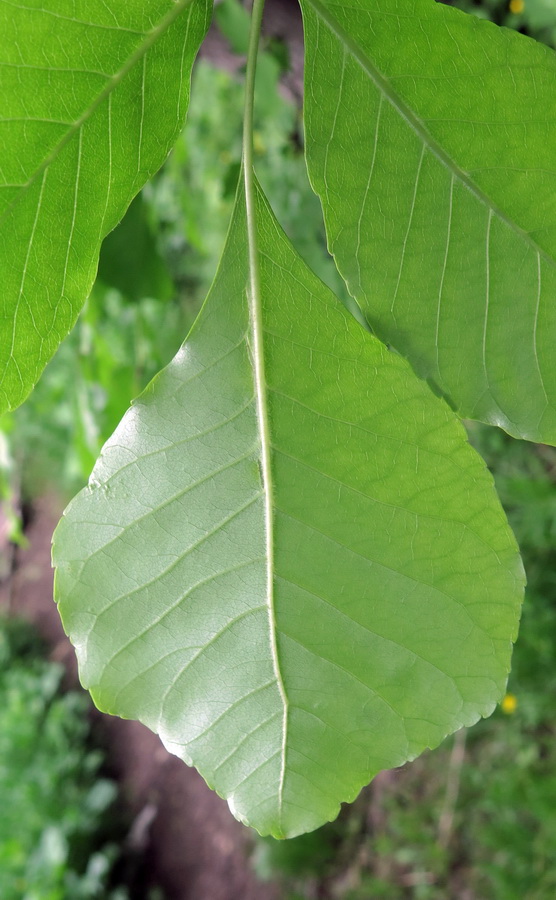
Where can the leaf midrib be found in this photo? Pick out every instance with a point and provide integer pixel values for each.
(419, 128)
(261, 403)
(256, 345)
(113, 83)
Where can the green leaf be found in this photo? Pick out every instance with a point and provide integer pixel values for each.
(93, 95)
(289, 562)
(430, 140)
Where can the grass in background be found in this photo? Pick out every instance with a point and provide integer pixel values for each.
(57, 813)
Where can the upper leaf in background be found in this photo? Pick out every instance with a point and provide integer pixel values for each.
(431, 141)
(93, 96)
(297, 579)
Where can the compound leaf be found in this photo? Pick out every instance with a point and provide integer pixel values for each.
(289, 562)
(431, 142)
(93, 95)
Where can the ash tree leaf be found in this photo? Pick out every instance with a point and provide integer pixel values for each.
(431, 140)
(289, 562)
(93, 94)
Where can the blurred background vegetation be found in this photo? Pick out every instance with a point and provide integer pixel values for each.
(474, 819)
(60, 826)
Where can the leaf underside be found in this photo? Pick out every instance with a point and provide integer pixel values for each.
(430, 139)
(380, 618)
(93, 96)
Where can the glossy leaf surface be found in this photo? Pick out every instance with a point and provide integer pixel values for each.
(431, 141)
(289, 631)
(93, 95)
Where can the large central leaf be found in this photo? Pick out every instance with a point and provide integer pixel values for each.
(431, 142)
(289, 562)
(93, 94)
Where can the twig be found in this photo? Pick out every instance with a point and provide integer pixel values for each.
(446, 821)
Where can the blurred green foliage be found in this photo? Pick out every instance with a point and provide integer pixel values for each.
(54, 803)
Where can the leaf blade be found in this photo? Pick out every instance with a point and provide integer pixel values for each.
(97, 107)
(441, 234)
(377, 516)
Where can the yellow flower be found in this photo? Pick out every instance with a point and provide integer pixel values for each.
(517, 7)
(509, 704)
